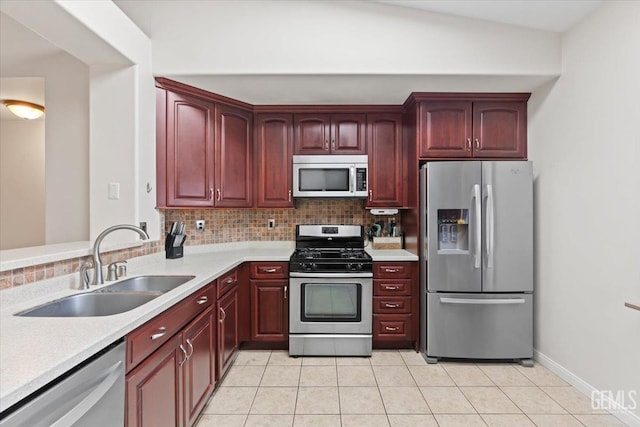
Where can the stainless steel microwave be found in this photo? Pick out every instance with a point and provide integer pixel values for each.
(330, 176)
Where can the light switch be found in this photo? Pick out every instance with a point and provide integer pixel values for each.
(114, 191)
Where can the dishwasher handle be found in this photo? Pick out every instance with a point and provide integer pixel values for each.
(98, 392)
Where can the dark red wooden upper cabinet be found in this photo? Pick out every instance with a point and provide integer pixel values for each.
(446, 129)
(233, 158)
(384, 136)
(189, 151)
(274, 145)
(485, 126)
(312, 133)
(343, 133)
(348, 133)
(499, 129)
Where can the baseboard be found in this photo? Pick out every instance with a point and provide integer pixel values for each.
(624, 415)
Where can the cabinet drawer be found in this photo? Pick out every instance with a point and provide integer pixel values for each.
(392, 269)
(391, 327)
(150, 336)
(391, 287)
(269, 270)
(394, 305)
(227, 281)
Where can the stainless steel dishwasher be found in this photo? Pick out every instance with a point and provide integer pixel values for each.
(89, 395)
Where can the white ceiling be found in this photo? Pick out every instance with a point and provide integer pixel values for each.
(19, 45)
(548, 15)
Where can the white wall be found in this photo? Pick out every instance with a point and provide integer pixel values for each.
(335, 37)
(66, 169)
(66, 148)
(585, 145)
(122, 103)
(22, 207)
(338, 52)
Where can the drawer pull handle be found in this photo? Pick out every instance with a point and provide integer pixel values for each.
(391, 329)
(162, 331)
(224, 315)
(184, 352)
(387, 305)
(229, 280)
(202, 300)
(391, 270)
(270, 270)
(286, 289)
(391, 287)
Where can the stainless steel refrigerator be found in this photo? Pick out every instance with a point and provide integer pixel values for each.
(476, 260)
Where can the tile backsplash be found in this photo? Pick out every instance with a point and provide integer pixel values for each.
(34, 273)
(230, 225)
(222, 226)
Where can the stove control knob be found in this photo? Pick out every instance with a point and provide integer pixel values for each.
(359, 267)
(350, 267)
(313, 266)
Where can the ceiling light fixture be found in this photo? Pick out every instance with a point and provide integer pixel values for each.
(23, 109)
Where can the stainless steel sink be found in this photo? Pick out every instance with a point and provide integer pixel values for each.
(147, 284)
(91, 304)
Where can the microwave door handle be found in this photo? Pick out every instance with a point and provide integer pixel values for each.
(352, 183)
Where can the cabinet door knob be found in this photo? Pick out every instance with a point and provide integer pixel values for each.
(326, 145)
(162, 331)
(333, 144)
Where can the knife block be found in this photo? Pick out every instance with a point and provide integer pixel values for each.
(170, 249)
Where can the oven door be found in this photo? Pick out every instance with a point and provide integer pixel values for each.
(328, 303)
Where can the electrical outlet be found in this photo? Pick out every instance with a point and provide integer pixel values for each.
(114, 191)
(200, 225)
(271, 224)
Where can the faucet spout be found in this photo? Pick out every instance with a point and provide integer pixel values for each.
(98, 278)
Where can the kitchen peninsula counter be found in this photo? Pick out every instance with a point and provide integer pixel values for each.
(36, 350)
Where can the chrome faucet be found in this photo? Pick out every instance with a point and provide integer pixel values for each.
(98, 278)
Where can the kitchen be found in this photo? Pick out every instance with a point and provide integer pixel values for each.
(574, 337)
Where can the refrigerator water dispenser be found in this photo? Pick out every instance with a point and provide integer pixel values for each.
(453, 231)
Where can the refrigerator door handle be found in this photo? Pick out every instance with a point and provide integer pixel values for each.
(500, 301)
(478, 225)
(490, 224)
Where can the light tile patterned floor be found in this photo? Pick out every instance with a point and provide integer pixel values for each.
(392, 389)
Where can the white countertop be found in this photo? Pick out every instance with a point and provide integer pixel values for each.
(34, 351)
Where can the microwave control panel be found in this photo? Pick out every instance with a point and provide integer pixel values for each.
(361, 179)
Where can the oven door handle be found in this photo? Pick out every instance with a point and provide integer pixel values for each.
(330, 275)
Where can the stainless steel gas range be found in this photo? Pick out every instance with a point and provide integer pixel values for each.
(331, 287)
